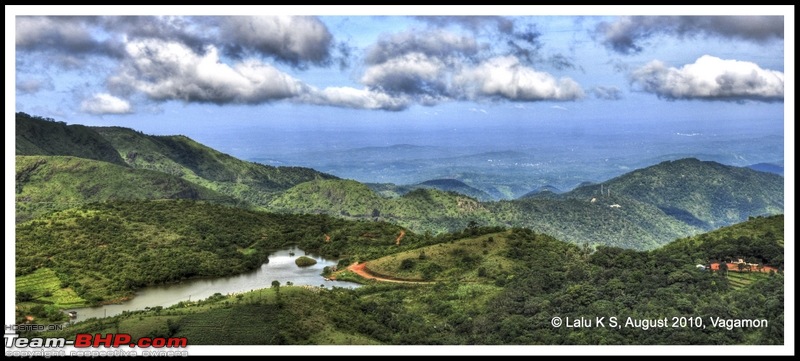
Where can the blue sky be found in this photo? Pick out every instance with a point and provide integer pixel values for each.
(144, 71)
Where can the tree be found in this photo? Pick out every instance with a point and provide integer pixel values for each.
(277, 286)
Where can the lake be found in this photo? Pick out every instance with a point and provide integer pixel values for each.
(281, 267)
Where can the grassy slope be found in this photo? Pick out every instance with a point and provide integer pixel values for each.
(39, 136)
(183, 157)
(176, 156)
(49, 183)
(475, 259)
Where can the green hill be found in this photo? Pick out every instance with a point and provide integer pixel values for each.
(758, 240)
(178, 156)
(620, 222)
(455, 185)
(390, 190)
(104, 251)
(421, 209)
(48, 183)
(632, 225)
(547, 191)
(183, 157)
(704, 194)
(41, 136)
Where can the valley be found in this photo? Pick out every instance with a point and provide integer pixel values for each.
(106, 212)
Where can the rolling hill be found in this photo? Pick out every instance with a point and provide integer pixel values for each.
(646, 208)
(703, 194)
(50, 183)
(177, 156)
(390, 190)
(41, 136)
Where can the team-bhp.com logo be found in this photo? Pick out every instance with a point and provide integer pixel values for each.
(87, 345)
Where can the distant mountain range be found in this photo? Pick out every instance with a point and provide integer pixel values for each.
(59, 166)
(767, 167)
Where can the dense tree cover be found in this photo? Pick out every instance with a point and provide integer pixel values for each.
(546, 278)
(391, 190)
(700, 193)
(634, 224)
(644, 209)
(759, 240)
(106, 250)
(561, 280)
(421, 209)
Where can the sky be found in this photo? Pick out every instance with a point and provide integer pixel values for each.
(357, 67)
(218, 73)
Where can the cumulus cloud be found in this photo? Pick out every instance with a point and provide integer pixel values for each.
(438, 44)
(414, 73)
(626, 33)
(295, 40)
(103, 103)
(67, 39)
(347, 97)
(710, 78)
(193, 32)
(506, 78)
(606, 92)
(171, 71)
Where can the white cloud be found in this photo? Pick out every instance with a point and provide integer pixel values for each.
(558, 107)
(104, 103)
(171, 71)
(626, 33)
(346, 97)
(710, 78)
(506, 78)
